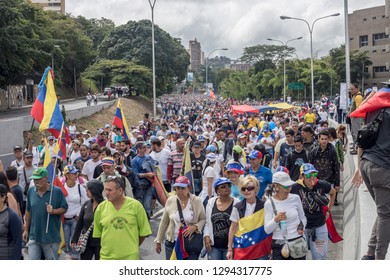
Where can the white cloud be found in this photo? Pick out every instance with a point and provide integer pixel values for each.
(233, 24)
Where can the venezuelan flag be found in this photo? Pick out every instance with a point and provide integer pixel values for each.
(179, 252)
(187, 168)
(210, 93)
(120, 120)
(46, 110)
(251, 241)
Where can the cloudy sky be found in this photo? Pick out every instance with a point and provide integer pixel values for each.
(233, 24)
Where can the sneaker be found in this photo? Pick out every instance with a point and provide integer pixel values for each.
(368, 258)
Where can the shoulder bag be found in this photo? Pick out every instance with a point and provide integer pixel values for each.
(193, 244)
(83, 240)
(368, 134)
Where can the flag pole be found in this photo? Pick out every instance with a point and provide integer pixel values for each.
(52, 180)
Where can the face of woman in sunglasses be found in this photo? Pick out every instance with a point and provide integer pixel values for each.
(249, 191)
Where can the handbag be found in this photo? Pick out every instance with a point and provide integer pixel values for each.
(193, 243)
(368, 134)
(298, 247)
(83, 240)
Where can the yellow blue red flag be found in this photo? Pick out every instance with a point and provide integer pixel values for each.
(120, 120)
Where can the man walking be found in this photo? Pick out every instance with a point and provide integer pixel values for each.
(120, 222)
(45, 204)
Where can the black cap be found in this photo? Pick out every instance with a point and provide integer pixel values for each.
(28, 154)
(197, 143)
(140, 144)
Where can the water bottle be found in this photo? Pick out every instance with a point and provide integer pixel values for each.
(283, 227)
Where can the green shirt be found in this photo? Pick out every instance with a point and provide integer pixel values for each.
(120, 230)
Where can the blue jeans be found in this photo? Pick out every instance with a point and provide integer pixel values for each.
(217, 254)
(317, 241)
(146, 196)
(35, 250)
(69, 228)
(197, 186)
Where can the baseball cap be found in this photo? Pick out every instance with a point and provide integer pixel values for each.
(140, 144)
(155, 140)
(241, 135)
(196, 144)
(235, 167)
(307, 168)
(201, 138)
(237, 149)
(135, 131)
(39, 173)
(160, 138)
(50, 138)
(108, 161)
(70, 169)
(254, 129)
(255, 154)
(282, 169)
(221, 181)
(17, 148)
(182, 182)
(107, 126)
(211, 157)
(28, 154)
(282, 178)
(211, 148)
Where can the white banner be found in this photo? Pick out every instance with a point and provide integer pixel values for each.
(343, 96)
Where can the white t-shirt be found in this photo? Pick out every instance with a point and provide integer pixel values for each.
(75, 199)
(89, 168)
(72, 129)
(323, 115)
(188, 216)
(210, 172)
(162, 158)
(268, 139)
(73, 156)
(250, 208)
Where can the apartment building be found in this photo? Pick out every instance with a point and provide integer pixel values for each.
(196, 55)
(51, 5)
(369, 31)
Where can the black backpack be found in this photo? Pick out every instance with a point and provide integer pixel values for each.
(368, 134)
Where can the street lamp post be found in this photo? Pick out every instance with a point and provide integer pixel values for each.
(311, 46)
(207, 59)
(52, 56)
(284, 62)
(152, 3)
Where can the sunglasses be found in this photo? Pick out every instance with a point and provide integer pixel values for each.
(224, 186)
(286, 187)
(249, 189)
(311, 175)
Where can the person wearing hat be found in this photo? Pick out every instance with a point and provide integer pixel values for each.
(120, 222)
(197, 159)
(11, 229)
(253, 136)
(164, 130)
(75, 199)
(287, 207)
(209, 175)
(75, 151)
(90, 165)
(95, 190)
(308, 187)
(233, 172)
(263, 174)
(218, 211)
(24, 174)
(193, 214)
(108, 166)
(18, 153)
(43, 199)
(267, 138)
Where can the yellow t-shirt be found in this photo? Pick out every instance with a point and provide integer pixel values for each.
(252, 123)
(358, 100)
(310, 118)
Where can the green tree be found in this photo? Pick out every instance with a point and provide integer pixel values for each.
(96, 29)
(132, 42)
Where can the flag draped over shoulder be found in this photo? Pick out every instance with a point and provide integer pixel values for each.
(46, 110)
(251, 241)
(379, 100)
(179, 252)
(120, 120)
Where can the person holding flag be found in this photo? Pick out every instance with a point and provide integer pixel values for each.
(174, 230)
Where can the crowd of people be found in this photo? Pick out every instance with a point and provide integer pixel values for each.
(260, 184)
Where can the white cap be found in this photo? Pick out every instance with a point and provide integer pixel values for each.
(254, 129)
(282, 178)
(211, 157)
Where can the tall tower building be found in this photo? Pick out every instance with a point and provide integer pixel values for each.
(369, 31)
(51, 5)
(195, 52)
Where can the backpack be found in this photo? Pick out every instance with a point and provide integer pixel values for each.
(368, 134)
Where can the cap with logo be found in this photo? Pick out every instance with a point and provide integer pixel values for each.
(39, 173)
(182, 182)
(255, 154)
(70, 169)
(221, 181)
(234, 167)
(307, 168)
(108, 161)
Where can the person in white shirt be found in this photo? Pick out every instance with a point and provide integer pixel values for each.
(161, 155)
(90, 165)
(323, 115)
(72, 129)
(18, 153)
(75, 153)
